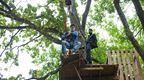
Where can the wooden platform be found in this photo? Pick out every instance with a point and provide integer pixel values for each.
(129, 66)
(75, 69)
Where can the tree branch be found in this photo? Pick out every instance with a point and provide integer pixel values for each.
(138, 32)
(75, 20)
(16, 27)
(53, 39)
(74, 15)
(53, 30)
(15, 17)
(31, 25)
(52, 72)
(3, 3)
(46, 32)
(127, 30)
(48, 74)
(139, 11)
(10, 42)
(26, 42)
(61, 5)
(15, 58)
(85, 14)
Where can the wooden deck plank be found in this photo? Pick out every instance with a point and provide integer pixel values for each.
(120, 66)
(109, 57)
(92, 68)
(125, 65)
(138, 73)
(130, 69)
(86, 71)
(128, 66)
(114, 57)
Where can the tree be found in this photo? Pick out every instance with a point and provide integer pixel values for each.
(24, 23)
(128, 31)
(139, 11)
(22, 29)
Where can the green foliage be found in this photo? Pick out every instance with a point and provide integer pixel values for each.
(2, 20)
(142, 65)
(100, 53)
(142, 2)
(101, 9)
(12, 78)
(29, 12)
(9, 56)
(136, 27)
(48, 60)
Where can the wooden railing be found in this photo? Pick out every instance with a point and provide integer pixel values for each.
(129, 66)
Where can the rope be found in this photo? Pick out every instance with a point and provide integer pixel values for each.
(77, 73)
(138, 32)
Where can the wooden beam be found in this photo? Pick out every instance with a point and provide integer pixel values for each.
(92, 68)
(77, 72)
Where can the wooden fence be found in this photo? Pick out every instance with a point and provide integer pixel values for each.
(129, 66)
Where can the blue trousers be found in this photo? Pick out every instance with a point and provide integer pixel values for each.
(66, 45)
(88, 54)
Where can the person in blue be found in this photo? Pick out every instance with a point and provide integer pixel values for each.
(70, 40)
(91, 43)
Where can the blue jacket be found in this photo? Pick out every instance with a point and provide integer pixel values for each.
(72, 38)
(74, 35)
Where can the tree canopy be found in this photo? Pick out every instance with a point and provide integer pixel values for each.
(35, 30)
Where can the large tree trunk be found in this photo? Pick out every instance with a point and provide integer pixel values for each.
(80, 24)
(76, 20)
(128, 32)
(139, 11)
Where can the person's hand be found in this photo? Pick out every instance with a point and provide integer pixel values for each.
(68, 33)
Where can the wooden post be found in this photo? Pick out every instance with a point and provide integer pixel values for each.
(138, 73)
(109, 57)
(77, 73)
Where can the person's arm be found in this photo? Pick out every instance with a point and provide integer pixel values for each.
(67, 34)
(92, 38)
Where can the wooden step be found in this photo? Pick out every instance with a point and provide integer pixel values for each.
(92, 68)
(71, 58)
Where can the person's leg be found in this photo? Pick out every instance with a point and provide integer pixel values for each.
(68, 8)
(88, 56)
(65, 45)
(76, 47)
